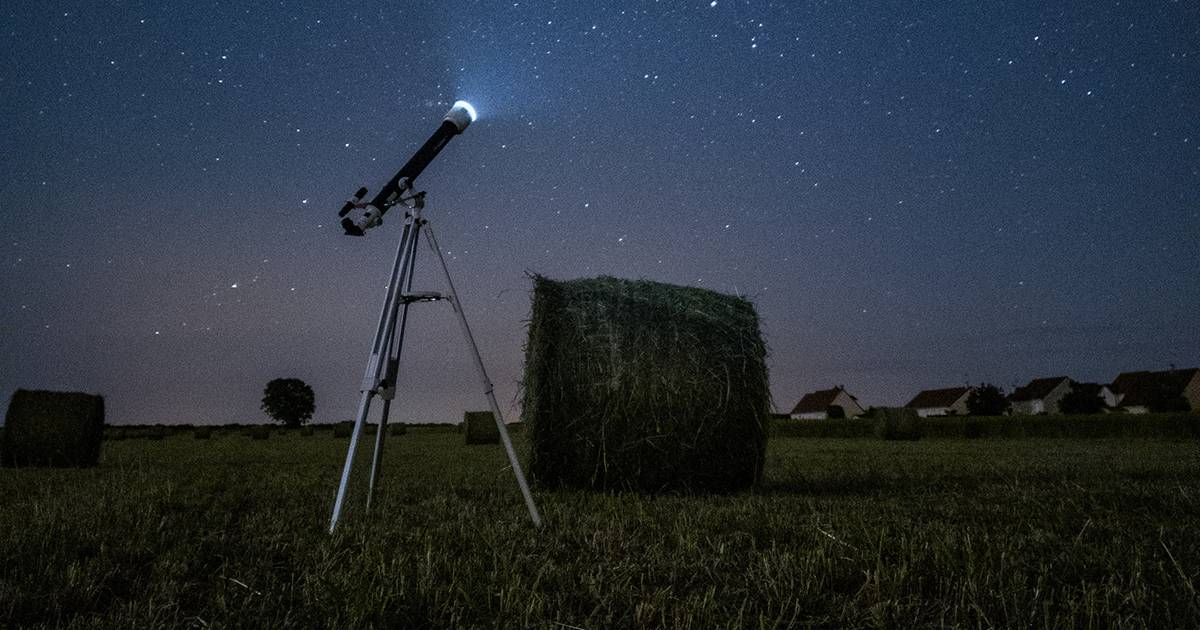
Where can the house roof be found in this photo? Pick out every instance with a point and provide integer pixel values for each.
(819, 400)
(1037, 389)
(931, 398)
(1147, 388)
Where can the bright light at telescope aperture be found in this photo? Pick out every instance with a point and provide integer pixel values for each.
(467, 106)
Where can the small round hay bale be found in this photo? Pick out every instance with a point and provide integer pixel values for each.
(202, 433)
(45, 428)
(154, 433)
(260, 432)
(638, 385)
(479, 427)
(898, 423)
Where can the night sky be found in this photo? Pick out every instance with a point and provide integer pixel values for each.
(916, 196)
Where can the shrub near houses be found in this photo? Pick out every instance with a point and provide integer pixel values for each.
(1174, 426)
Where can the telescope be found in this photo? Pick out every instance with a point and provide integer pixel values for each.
(371, 215)
(383, 374)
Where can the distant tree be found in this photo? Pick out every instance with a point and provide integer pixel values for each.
(1081, 400)
(987, 400)
(289, 400)
(835, 412)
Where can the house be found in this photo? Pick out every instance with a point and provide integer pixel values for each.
(1099, 390)
(819, 405)
(941, 402)
(1142, 392)
(1041, 395)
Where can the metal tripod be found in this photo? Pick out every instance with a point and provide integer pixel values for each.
(384, 362)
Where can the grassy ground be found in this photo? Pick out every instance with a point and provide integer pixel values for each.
(230, 532)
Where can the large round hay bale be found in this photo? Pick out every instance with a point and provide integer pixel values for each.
(479, 427)
(644, 386)
(44, 428)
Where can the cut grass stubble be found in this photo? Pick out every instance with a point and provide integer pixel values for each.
(860, 533)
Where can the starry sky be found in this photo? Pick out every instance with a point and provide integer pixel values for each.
(914, 196)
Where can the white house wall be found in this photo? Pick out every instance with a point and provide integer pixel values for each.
(848, 404)
(1192, 392)
(1028, 407)
(1052, 400)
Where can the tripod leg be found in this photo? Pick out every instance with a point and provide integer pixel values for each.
(377, 458)
(364, 406)
(488, 389)
(391, 375)
(379, 354)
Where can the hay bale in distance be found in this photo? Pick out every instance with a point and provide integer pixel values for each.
(644, 386)
(898, 423)
(479, 427)
(397, 429)
(260, 432)
(45, 428)
(202, 433)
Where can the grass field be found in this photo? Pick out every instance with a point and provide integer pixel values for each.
(230, 532)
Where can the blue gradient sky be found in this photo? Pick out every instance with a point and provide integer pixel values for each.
(913, 196)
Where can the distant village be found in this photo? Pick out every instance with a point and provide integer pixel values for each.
(1129, 392)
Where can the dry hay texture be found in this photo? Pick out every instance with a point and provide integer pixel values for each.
(898, 423)
(479, 427)
(639, 385)
(44, 428)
